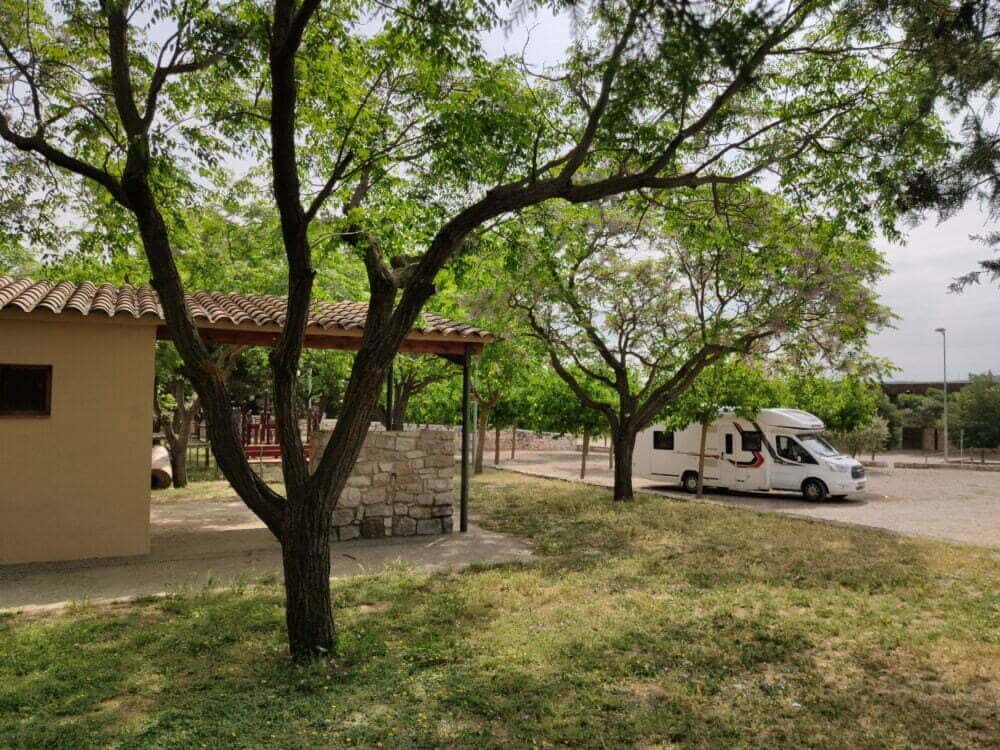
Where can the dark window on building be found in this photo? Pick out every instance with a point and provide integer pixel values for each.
(663, 441)
(752, 441)
(729, 442)
(25, 390)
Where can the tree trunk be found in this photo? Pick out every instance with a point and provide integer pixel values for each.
(584, 452)
(305, 554)
(398, 417)
(624, 445)
(179, 460)
(513, 441)
(611, 455)
(701, 459)
(496, 447)
(484, 420)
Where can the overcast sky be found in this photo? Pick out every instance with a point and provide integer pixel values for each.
(921, 267)
(917, 290)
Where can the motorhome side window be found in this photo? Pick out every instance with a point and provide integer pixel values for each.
(791, 450)
(751, 441)
(729, 443)
(663, 441)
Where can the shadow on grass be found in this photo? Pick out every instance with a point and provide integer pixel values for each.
(643, 623)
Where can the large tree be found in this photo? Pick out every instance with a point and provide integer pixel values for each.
(641, 305)
(387, 119)
(960, 42)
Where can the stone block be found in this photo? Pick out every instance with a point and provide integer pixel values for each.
(447, 525)
(421, 511)
(402, 526)
(439, 485)
(358, 480)
(372, 528)
(348, 532)
(350, 498)
(441, 511)
(373, 495)
(377, 509)
(343, 516)
(429, 526)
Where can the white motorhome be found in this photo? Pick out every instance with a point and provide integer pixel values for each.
(782, 449)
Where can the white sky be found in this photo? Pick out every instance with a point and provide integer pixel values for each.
(931, 255)
(917, 290)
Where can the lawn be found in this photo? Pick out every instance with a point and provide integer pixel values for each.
(657, 623)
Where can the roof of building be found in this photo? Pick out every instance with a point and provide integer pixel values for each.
(222, 313)
(920, 387)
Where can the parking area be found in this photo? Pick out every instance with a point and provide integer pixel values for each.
(957, 505)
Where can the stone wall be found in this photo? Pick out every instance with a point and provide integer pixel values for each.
(402, 484)
(529, 441)
(526, 439)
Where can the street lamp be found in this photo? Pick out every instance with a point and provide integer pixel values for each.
(944, 356)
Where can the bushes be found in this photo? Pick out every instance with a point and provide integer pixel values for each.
(870, 437)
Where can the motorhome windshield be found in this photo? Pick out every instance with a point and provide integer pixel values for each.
(818, 446)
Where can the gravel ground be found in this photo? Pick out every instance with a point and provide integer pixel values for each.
(960, 506)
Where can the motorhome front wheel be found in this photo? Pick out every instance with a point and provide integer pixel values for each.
(814, 490)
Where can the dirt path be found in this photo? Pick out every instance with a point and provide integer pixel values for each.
(195, 545)
(960, 506)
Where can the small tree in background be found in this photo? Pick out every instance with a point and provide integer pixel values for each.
(977, 413)
(844, 403)
(503, 365)
(411, 376)
(176, 407)
(921, 412)
(870, 437)
(725, 386)
(558, 409)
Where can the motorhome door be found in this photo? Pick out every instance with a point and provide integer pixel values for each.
(743, 451)
(791, 465)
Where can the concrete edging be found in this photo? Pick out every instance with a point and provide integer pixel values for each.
(954, 467)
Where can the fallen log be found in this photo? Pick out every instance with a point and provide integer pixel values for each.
(162, 475)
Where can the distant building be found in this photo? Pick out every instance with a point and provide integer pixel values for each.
(916, 438)
(919, 387)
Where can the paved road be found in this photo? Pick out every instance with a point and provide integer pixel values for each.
(960, 506)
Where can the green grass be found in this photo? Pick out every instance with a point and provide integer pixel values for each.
(652, 624)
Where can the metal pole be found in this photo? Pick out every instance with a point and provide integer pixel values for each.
(944, 356)
(463, 517)
(389, 387)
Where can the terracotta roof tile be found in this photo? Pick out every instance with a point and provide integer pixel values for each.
(212, 307)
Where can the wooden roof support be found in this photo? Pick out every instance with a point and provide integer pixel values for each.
(453, 350)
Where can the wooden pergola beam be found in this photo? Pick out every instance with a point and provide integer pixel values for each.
(449, 349)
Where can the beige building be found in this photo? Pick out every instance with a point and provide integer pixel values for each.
(76, 402)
